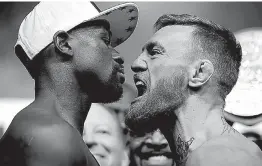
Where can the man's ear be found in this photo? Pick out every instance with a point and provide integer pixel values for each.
(200, 73)
(61, 43)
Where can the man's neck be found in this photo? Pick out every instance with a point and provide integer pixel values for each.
(65, 98)
(196, 122)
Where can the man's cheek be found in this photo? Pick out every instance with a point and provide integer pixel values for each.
(157, 73)
(136, 143)
(105, 72)
(162, 71)
(157, 70)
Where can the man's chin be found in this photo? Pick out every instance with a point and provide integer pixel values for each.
(140, 122)
(107, 94)
(145, 116)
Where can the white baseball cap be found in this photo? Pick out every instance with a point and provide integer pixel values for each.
(37, 29)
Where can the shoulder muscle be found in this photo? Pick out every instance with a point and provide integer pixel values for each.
(57, 145)
(45, 145)
(219, 155)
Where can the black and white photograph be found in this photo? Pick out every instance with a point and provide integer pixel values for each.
(130, 83)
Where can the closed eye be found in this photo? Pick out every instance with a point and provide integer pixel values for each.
(106, 41)
(103, 131)
(154, 48)
(155, 52)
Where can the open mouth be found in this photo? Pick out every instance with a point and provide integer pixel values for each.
(140, 85)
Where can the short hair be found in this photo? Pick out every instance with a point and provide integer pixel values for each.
(221, 46)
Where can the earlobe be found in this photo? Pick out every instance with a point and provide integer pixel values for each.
(60, 40)
(201, 72)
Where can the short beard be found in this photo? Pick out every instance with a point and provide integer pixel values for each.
(107, 93)
(156, 109)
(103, 92)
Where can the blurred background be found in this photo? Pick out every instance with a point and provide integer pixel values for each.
(242, 18)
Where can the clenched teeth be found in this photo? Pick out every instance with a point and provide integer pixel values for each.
(157, 158)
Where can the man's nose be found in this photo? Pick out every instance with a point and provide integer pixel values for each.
(139, 65)
(89, 140)
(157, 141)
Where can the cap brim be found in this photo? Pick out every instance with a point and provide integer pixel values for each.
(122, 19)
(247, 120)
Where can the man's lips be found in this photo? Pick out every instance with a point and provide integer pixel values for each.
(156, 159)
(148, 155)
(121, 74)
(138, 79)
(121, 70)
(99, 155)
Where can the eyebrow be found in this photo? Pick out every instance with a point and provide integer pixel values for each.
(104, 126)
(151, 45)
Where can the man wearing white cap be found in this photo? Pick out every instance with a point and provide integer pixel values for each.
(68, 48)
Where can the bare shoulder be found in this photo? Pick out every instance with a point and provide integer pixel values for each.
(40, 139)
(226, 153)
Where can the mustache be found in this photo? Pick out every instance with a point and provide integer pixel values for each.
(140, 77)
(146, 150)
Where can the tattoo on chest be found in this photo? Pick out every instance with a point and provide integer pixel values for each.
(227, 128)
(182, 148)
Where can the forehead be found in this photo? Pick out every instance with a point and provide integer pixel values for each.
(174, 35)
(100, 115)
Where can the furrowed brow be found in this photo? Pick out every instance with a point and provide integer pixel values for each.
(151, 45)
